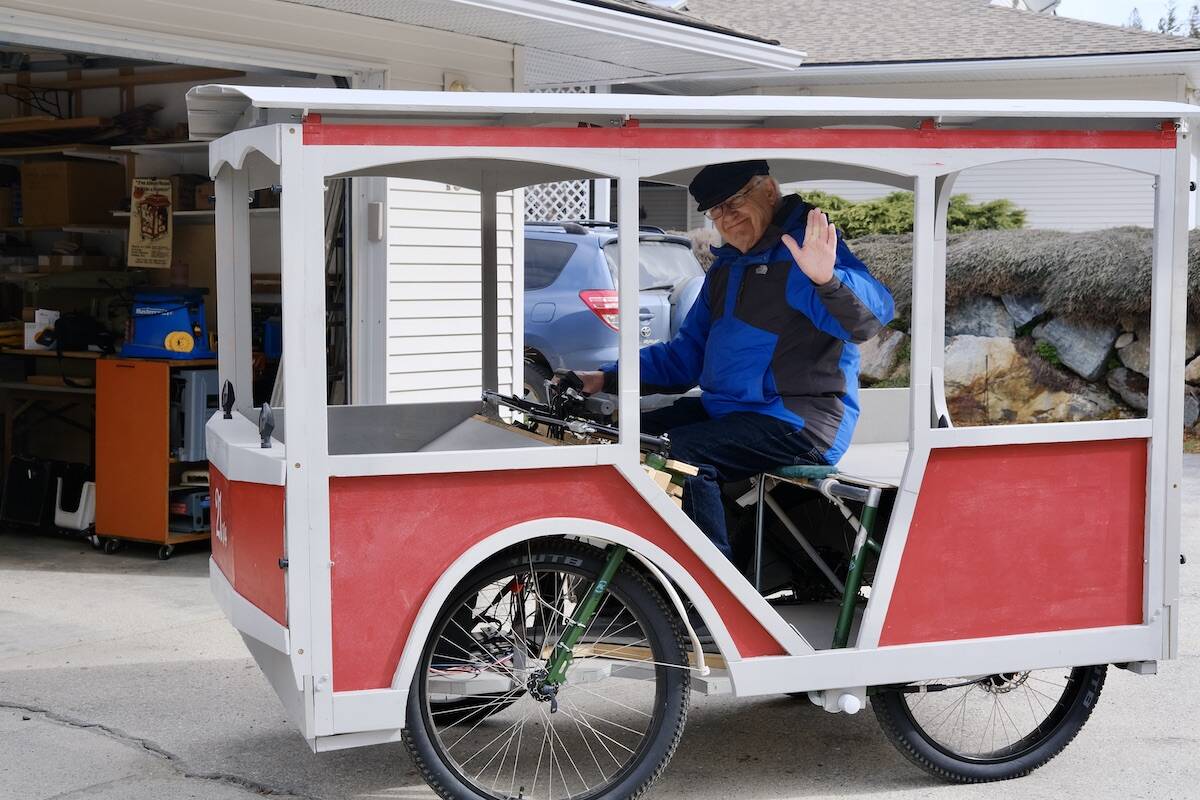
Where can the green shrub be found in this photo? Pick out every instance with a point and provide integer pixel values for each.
(894, 214)
(1048, 352)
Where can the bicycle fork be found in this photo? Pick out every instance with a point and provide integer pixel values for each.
(564, 649)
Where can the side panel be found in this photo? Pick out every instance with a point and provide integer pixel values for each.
(392, 536)
(132, 448)
(1012, 539)
(247, 541)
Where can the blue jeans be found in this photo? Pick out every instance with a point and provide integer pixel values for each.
(730, 448)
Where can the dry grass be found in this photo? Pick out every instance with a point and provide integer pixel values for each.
(1191, 440)
(1096, 275)
(702, 240)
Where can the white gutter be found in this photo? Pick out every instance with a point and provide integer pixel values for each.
(894, 72)
(54, 32)
(646, 29)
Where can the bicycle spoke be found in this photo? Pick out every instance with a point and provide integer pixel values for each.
(610, 722)
(585, 690)
(953, 716)
(480, 750)
(472, 710)
(598, 732)
(484, 699)
(591, 752)
(511, 730)
(595, 733)
(503, 754)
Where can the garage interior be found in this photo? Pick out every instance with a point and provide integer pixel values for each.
(107, 295)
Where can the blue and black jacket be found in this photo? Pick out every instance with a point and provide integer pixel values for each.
(762, 337)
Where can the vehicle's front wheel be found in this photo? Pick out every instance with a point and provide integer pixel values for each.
(536, 375)
(609, 729)
(989, 727)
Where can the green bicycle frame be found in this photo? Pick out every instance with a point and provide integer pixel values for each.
(564, 650)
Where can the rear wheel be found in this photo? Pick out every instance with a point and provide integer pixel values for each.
(989, 727)
(480, 721)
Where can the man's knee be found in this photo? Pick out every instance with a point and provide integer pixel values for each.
(687, 449)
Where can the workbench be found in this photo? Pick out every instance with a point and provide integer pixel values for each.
(24, 404)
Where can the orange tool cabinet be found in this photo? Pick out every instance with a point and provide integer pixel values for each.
(135, 471)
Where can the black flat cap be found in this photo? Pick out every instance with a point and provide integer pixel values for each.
(716, 183)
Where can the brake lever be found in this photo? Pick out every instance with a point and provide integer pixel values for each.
(565, 396)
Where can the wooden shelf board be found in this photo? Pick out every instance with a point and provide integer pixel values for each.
(22, 386)
(35, 124)
(203, 216)
(93, 151)
(165, 148)
(20, 351)
(176, 75)
(98, 227)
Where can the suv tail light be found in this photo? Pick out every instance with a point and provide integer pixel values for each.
(603, 303)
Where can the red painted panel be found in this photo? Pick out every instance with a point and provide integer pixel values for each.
(392, 537)
(1012, 539)
(219, 513)
(247, 540)
(474, 136)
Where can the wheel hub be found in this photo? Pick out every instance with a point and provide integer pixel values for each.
(1004, 683)
(542, 690)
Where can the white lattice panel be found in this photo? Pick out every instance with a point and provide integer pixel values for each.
(551, 202)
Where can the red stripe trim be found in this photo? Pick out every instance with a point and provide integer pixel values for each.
(464, 136)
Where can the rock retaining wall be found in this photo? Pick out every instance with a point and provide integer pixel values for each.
(1008, 361)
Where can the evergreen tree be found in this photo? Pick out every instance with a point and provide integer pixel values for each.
(1194, 22)
(1170, 24)
(1135, 20)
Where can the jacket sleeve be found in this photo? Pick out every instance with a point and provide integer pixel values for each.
(853, 305)
(673, 367)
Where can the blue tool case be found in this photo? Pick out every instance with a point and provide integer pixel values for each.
(168, 324)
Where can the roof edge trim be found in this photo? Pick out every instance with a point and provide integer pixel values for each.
(654, 30)
(1006, 66)
(678, 19)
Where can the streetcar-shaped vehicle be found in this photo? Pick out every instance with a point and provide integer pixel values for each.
(530, 613)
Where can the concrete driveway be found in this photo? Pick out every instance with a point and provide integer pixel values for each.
(120, 679)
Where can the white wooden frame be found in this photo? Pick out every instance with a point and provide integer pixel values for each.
(249, 157)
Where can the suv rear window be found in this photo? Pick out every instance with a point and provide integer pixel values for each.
(664, 265)
(544, 261)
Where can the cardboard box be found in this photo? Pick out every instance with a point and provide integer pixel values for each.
(183, 191)
(264, 198)
(43, 318)
(194, 263)
(55, 262)
(70, 192)
(204, 197)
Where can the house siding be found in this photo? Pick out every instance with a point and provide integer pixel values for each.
(434, 317)
(1061, 195)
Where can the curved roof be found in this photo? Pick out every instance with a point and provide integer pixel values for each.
(214, 110)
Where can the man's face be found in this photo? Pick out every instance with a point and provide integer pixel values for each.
(745, 224)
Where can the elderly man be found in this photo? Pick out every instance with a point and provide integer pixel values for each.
(771, 341)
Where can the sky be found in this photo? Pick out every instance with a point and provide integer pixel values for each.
(1116, 12)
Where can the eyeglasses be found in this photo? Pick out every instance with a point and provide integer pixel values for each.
(735, 202)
